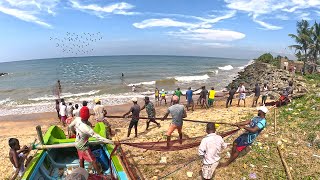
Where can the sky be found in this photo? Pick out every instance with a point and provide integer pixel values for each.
(31, 29)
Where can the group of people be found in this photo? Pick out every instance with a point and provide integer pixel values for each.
(210, 148)
(206, 98)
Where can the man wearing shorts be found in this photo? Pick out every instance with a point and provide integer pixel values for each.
(135, 110)
(264, 93)
(210, 149)
(231, 96)
(83, 131)
(211, 96)
(242, 96)
(163, 96)
(178, 93)
(151, 111)
(177, 112)
(156, 94)
(100, 114)
(63, 113)
(204, 97)
(256, 95)
(256, 125)
(189, 99)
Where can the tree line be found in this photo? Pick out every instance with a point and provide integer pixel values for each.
(307, 47)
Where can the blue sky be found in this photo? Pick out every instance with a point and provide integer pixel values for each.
(221, 28)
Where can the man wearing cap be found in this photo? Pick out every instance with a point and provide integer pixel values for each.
(100, 114)
(255, 126)
(135, 110)
(150, 111)
(177, 112)
(80, 126)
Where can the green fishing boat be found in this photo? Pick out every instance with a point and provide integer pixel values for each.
(57, 163)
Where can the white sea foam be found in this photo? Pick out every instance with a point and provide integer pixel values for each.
(143, 83)
(192, 78)
(242, 67)
(64, 95)
(47, 105)
(226, 68)
(215, 72)
(4, 101)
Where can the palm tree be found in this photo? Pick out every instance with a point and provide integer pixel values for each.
(315, 45)
(303, 39)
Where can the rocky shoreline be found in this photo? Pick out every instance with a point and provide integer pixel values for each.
(277, 79)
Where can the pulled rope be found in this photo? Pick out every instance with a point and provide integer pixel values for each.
(188, 120)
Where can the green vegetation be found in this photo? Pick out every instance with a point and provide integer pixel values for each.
(307, 45)
(268, 58)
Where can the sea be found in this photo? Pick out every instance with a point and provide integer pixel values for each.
(31, 85)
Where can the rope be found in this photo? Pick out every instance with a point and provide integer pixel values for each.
(188, 120)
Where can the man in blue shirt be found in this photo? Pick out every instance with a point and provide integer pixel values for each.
(189, 99)
(256, 125)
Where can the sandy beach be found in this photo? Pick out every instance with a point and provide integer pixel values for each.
(148, 162)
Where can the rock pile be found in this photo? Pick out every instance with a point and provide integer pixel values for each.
(277, 79)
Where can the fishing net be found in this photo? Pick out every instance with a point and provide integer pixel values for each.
(174, 145)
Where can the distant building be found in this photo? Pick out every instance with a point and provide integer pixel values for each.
(288, 65)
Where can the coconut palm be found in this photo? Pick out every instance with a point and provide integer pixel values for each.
(303, 40)
(315, 45)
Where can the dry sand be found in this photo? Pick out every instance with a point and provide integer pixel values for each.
(148, 163)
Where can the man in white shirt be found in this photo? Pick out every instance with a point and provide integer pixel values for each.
(76, 111)
(100, 114)
(210, 149)
(83, 131)
(63, 113)
(242, 96)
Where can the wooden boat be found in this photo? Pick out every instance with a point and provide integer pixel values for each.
(56, 163)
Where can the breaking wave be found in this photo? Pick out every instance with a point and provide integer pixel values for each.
(226, 68)
(192, 78)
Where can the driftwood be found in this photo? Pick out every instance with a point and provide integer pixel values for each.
(284, 163)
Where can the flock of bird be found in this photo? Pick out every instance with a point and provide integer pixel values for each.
(77, 43)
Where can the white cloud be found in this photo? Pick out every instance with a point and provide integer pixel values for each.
(116, 8)
(167, 22)
(29, 11)
(208, 34)
(267, 8)
(303, 15)
(200, 30)
(228, 15)
(216, 45)
(266, 25)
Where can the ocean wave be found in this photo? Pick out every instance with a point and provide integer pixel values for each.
(4, 101)
(192, 78)
(215, 72)
(226, 68)
(242, 67)
(64, 95)
(143, 83)
(49, 105)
